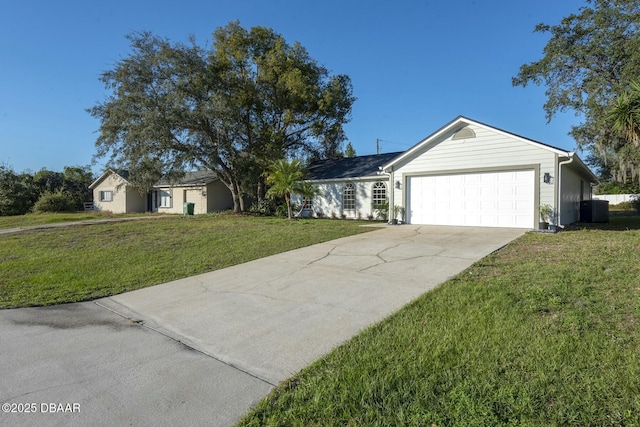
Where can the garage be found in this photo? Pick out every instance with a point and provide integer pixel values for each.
(466, 173)
(486, 199)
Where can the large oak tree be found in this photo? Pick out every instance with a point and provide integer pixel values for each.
(233, 107)
(591, 58)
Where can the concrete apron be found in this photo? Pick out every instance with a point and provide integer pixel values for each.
(273, 316)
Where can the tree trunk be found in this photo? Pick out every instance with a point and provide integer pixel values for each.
(235, 195)
(261, 190)
(287, 198)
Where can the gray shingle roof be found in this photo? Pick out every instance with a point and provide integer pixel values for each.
(349, 167)
(190, 178)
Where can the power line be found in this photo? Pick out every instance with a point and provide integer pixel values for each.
(378, 141)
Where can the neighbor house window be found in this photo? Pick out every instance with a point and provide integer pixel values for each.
(379, 195)
(106, 196)
(349, 197)
(165, 198)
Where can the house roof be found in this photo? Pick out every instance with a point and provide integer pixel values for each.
(189, 179)
(123, 174)
(349, 167)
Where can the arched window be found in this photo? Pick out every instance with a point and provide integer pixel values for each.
(349, 197)
(379, 195)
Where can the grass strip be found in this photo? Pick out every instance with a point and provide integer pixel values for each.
(53, 218)
(543, 332)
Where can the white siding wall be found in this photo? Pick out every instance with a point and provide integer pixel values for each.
(329, 200)
(487, 150)
(571, 196)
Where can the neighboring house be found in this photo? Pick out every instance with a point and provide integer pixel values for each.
(112, 192)
(465, 173)
(202, 188)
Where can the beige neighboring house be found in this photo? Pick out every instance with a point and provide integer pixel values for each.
(112, 192)
(202, 188)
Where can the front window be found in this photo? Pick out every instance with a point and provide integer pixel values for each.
(379, 195)
(349, 197)
(106, 196)
(165, 198)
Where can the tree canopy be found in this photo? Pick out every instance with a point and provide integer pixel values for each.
(591, 59)
(349, 151)
(232, 108)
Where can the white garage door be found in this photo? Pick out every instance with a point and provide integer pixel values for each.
(488, 199)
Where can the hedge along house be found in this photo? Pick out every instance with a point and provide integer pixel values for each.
(470, 174)
(112, 192)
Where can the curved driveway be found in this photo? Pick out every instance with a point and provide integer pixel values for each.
(202, 350)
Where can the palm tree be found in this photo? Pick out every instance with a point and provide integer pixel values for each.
(307, 190)
(283, 177)
(625, 114)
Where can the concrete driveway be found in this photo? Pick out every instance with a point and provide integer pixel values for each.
(202, 350)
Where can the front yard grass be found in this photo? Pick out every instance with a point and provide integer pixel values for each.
(544, 332)
(78, 263)
(51, 218)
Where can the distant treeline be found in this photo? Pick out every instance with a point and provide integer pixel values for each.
(44, 191)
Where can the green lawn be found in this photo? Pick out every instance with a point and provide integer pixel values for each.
(545, 332)
(77, 263)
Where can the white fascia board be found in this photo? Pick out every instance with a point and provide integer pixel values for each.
(555, 150)
(583, 166)
(382, 177)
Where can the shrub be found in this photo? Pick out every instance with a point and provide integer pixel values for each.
(57, 201)
(282, 210)
(614, 187)
(622, 206)
(381, 211)
(264, 207)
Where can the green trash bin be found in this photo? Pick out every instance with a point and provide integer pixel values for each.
(187, 208)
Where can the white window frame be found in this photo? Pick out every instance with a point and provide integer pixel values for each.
(106, 196)
(378, 194)
(349, 197)
(165, 198)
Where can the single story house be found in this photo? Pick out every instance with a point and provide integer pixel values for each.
(466, 173)
(114, 193)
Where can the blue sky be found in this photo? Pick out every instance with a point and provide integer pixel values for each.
(414, 65)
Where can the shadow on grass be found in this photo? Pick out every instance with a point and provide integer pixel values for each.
(618, 221)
